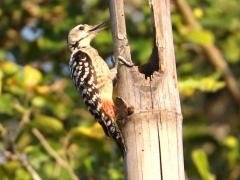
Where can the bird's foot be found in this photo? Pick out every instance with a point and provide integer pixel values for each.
(125, 62)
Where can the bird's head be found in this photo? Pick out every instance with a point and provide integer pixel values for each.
(82, 34)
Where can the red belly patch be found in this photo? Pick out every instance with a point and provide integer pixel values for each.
(109, 108)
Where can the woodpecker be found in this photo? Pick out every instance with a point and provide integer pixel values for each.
(93, 79)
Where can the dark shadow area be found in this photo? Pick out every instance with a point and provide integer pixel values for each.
(153, 62)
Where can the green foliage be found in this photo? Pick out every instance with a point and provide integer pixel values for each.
(201, 162)
(201, 37)
(6, 104)
(190, 85)
(36, 91)
(47, 124)
(233, 153)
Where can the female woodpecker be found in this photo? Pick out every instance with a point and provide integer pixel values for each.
(93, 79)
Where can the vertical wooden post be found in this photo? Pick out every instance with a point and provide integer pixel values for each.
(153, 134)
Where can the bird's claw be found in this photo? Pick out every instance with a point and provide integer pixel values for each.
(125, 62)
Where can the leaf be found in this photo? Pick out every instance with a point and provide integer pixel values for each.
(15, 83)
(24, 140)
(48, 124)
(32, 76)
(8, 67)
(200, 36)
(192, 131)
(231, 142)
(1, 81)
(198, 13)
(43, 89)
(12, 165)
(36, 156)
(231, 50)
(210, 83)
(2, 54)
(6, 104)
(39, 101)
(115, 174)
(232, 151)
(21, 172)
(200, 160)
(94, 131)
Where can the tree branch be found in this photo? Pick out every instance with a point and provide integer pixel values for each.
(29, 168)
(153, 133)
(54, 154)
(121, 47)
(159, 28)
(22, 158)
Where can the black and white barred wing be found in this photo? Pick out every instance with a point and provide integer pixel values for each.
(85, 80)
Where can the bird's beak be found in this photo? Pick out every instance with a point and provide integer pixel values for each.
(99, 27)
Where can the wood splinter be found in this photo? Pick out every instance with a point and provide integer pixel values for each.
(123, 110)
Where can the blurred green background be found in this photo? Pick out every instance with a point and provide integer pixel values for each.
(45, 130)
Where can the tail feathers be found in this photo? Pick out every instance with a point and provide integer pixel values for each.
(112, 130)
(105, 116)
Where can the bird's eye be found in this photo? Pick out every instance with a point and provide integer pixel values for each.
(81, 28)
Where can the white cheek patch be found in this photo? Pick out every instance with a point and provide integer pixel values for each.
(82, 34)
(77, 35)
